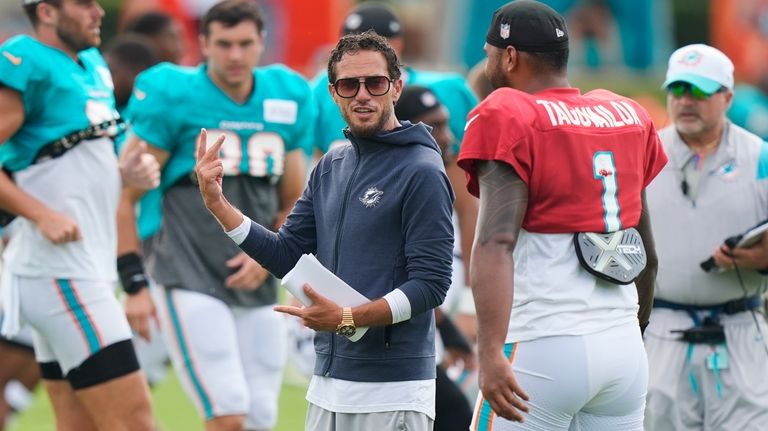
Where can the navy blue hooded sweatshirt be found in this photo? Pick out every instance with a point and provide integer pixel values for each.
(376, 213)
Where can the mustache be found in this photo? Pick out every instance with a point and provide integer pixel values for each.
(688, 112)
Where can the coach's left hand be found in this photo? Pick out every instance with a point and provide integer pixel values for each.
(322, 315)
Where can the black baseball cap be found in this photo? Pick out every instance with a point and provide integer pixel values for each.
(414, 102)
(373, 16)
(528, 26)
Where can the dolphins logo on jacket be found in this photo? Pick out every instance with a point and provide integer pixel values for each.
(371, 197)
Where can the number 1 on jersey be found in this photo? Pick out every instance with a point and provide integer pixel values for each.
(605, 171)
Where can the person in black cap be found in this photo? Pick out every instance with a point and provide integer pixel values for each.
(163, 32)
(379, 18)
(452, 410)
(420, 105)
(561, 179)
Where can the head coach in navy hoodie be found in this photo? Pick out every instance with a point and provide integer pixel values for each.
(377, 213)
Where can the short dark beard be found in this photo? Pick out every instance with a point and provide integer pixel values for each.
(74, 43)
(368, 132)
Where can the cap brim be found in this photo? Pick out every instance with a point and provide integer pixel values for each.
(705, 84)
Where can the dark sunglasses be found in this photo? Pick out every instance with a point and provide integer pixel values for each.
(375, 85)
(678, 89)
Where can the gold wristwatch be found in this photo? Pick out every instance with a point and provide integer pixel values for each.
(347, 326)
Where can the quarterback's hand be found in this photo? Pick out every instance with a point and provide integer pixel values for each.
(249, 275)
(209, 168)
(138, 168)
(322, 315)
(500, 388)
(58, 228)
(140, 311)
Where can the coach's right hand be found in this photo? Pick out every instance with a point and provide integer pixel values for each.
(210, 174)
(209, 169)
(500, 388)
(58, 228)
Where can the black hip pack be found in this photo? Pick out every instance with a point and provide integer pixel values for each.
(59, 147)
(617, 257)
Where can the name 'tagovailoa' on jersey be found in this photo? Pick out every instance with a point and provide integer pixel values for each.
(171, 103)
(585, 158)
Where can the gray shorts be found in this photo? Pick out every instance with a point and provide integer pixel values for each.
(320, 419)
(686, 394)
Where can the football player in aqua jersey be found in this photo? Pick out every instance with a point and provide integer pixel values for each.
(214, 303)
(57, 111)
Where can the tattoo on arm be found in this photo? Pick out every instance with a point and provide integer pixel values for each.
(503, 203)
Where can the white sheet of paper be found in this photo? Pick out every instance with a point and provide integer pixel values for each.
(309, 270)
(753, 236)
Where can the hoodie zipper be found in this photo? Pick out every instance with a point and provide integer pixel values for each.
(338, 241)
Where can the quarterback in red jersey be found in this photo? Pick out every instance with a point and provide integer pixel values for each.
(563, 227)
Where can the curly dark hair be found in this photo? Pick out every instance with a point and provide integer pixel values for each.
(367, 41)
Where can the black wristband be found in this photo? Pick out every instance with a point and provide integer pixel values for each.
(452, 338)
(131, 271)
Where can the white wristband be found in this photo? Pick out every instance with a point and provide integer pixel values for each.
(239, 233)
(399, 305)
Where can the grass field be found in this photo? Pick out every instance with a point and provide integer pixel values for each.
(173, 410)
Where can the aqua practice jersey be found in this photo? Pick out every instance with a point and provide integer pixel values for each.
(169, 106)
(60, 96)
(149, 212)
(238, 117)
(171, 103)
(450, 88)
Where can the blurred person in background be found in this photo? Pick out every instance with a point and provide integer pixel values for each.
(58, 114)
(478, 82)
(214, 302)
(127, 55)
(19, 372)
(163, 33)
(706, 347)
(559, 325)
(452, 409)
(749, 107)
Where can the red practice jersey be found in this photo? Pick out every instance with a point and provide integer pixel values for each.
(585, 158)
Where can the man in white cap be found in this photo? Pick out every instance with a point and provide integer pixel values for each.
(706, 351)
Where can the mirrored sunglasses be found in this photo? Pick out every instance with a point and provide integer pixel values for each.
(678, 89)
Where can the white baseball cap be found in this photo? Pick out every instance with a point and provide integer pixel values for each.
(701, 65)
